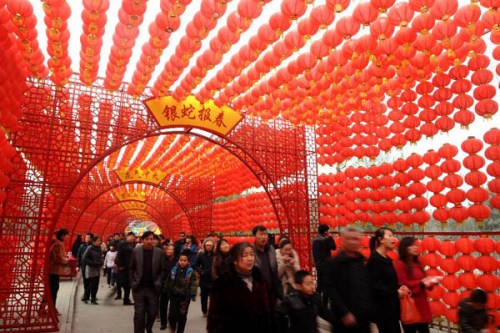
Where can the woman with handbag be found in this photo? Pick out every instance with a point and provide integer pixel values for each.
(383, 281)
(411, 274)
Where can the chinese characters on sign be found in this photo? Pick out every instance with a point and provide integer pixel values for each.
(169, 112)
(131, 175)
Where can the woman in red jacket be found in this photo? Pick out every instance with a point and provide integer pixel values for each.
(411, 274)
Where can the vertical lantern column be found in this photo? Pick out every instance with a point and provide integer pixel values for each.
(492, 153)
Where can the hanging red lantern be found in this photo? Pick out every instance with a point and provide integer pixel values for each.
(484, 245)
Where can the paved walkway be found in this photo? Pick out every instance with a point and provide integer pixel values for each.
(110, 316)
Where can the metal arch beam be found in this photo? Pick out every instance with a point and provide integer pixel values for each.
(223, 142)
(179, 202)
(116, 215)
(118, 203)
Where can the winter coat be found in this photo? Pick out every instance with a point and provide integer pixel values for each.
(109, 260)
(193, 253)
(470, 319)
(124, 252)
(93, 262)
(287, 271)
(234, 308)
(274, 285)
(137, 265)
(302, 310)
(79, 257)
(181, 282)
(203, 266)
(384, 288)
(75, 247)
(322, 248)
(413, 281)
(347, 286)
(219, 266)
(57, 260)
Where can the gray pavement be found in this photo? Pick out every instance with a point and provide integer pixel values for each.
(110, 315)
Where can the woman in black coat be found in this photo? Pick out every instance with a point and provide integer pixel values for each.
(240, 300)
(203, 268)
(383, 282)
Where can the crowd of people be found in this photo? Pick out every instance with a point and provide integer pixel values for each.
(261, 287)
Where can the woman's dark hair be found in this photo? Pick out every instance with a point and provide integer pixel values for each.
(404, 256)
(219, 243)
(479, 296)
(375, 240)
(193, 239)
(237, 250)
(284, 242)
(60, 233)
(95, 238)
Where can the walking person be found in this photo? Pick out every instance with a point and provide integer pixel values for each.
(472, 314)
(411, 274)
(347, 285)
(123, 259)
(265, 260)
(288, 264)
(169, 251)
(93, 262)
(191, 248)
(203, 268)
(181, 287)
(179, 244)
(240, 299)
(57, 262)
(80, 265)
(322, 247)
(76, 246)
(146, 276)
(303, 305)
(220, 265)
(384, 284)
(109, 265)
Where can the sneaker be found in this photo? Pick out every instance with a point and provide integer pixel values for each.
(94, 302)
(118, 297)
(86, 301)
(127, 303)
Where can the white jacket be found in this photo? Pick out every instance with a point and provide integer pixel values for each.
(109, 260)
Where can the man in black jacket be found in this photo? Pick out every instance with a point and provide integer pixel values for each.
(123, 258)
(147, 274)
(321, 248)
(347, 285)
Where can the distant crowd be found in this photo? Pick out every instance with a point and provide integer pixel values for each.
(261, 287)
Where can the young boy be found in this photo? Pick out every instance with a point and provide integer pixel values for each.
(472, 316)
(181, 287)
(303, 305)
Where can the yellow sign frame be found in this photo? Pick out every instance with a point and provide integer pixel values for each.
(169, 112)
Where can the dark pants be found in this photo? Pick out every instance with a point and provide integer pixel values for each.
(110, 274)
(122, 282)
(362, 327)
(164, 298)
(145, 308)
(86, 288)
(177, 315)
(414, 328)
(321, 289)
(91, 291)
(205, 293)
(389, 327)
(54, 286)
